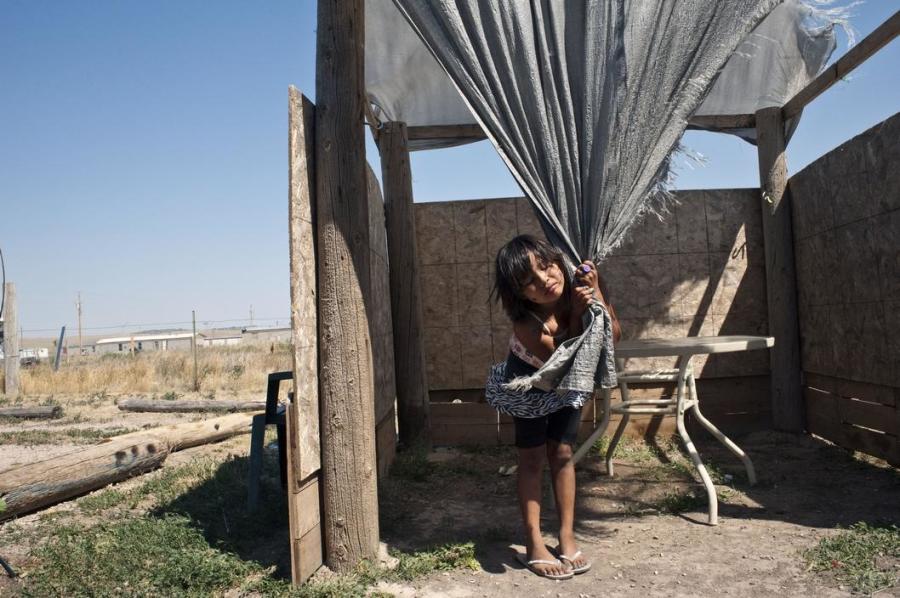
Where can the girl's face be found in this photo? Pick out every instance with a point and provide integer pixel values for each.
(545, 284)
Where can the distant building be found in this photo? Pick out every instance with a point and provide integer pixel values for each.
(267, 335)
(148, 342)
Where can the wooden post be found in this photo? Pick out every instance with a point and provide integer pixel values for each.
(194, 348)
(406, 298)
(304, 461)
(10, 342)
(788, 411)
(349, 476)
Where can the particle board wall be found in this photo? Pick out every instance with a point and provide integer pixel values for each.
(378, 306)
(697, 271)
(846, 218)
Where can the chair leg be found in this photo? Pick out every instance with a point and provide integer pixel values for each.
(257, 436)
(692, 451)
(282, 453)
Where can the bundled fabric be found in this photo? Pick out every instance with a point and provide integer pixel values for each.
(585, 101)
(781, 55)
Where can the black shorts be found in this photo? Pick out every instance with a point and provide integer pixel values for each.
(561, 426)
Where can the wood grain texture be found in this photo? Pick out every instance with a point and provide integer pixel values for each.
(781, 279)
(185, 406)
(406, 298)
(36, 412)
(30, 487)
(349, 478)
(10, 342)
(716, 122)
(302, 248)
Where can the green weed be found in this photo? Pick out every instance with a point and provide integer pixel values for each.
(865, 557)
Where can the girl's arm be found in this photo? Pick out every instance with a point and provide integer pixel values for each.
(592, 279)
(533, 337)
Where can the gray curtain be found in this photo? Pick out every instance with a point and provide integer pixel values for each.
(585, 100)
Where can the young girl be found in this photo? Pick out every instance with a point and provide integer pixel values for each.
(546, 305)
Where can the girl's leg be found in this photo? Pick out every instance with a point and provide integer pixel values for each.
(563, 474)
(530, 472)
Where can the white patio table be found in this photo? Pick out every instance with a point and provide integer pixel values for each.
(683, 376)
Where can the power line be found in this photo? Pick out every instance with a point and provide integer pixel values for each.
(153, 324)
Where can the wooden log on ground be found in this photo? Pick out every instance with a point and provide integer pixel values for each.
(30, 487)
(187, 406)
(35, 412)
(181, 436)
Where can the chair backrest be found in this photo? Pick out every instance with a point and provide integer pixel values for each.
(275, 379)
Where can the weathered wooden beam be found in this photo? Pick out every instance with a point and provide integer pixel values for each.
(722, 122)
(35, 412)
(346, 384)
(10, 342)
(186, 406)
(33, 486)
(406, 297)
(717, 122)
(445, 132)
(788, 411)
(304, 460)
(858, 54)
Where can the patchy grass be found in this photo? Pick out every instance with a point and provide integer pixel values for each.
(412, 465)
(66, 436)
(865, 557)
(185, 531)
(134, 557)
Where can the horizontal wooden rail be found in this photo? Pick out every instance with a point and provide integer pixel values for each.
(716, 122)
(873, 42)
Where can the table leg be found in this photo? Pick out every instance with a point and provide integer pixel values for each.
(683, 368)
(620, 429)
(748, 464)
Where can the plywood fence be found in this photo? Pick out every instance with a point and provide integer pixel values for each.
(846, 214)
(697, 271)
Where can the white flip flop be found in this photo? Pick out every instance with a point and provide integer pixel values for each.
(570, 560)
(530, 565)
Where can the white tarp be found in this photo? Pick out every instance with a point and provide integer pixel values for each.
(405, 82)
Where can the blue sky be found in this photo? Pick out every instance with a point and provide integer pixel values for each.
(143, 155)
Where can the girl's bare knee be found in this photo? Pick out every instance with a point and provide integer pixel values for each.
(531, 459)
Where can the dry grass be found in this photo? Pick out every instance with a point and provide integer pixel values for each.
(219, 369)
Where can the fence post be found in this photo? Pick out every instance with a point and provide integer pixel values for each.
(788, 412)
(347, 397)
(10, 342)
(406, 297)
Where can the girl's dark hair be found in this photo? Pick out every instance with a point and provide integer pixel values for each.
(513, 265)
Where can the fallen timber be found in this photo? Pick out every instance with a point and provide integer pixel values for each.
(188, 406)
(34, 486)
(36, 412)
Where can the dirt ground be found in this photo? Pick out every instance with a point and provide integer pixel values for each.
(644, 529)
(806, 489)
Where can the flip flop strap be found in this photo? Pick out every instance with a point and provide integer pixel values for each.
(571, 558)
(542, 562)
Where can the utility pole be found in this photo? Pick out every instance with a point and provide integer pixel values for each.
(194, 349)
(251, 315)
(78, 309)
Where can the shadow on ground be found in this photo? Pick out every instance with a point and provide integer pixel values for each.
(218, 507)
